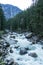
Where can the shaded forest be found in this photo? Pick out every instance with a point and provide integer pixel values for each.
(28, 20)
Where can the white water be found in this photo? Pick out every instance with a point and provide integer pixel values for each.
(23, 42)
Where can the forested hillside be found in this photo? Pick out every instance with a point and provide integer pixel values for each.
(2, 19)
(29, 20)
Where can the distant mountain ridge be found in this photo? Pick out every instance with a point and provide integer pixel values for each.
(10, 10)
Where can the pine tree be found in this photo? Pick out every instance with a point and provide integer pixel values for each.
(2, 19)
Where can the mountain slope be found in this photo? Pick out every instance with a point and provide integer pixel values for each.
(10, 10)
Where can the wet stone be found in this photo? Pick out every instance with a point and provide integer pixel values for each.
(29, 35)
(11, 51)
(7, 44)
(23, 51)
(27, 48)
(12, 36)
(0, 46)
(33, 55)
(11, 62)
(16, 47)
(42, 47)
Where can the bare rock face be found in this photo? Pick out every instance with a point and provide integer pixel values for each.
(10, 10)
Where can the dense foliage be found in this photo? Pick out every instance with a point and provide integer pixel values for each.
(30, 19)
(2, 19)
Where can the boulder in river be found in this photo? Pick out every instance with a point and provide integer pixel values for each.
(23, 51)
(33, 55)
(1, 42)
(11, 51)
(35, 39)
(29, 35)
(12, 36)
(6, 45)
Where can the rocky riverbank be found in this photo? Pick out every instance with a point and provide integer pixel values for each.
(21, 49)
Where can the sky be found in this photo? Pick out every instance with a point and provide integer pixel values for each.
(22, 4)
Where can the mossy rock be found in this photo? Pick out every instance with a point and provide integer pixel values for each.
(1, 32)
(2, 62)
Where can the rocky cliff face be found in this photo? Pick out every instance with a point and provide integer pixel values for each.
(10, 10)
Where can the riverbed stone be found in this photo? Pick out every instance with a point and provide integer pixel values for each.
(27, 48)
(11, 62)
(29, 35)
(33, 55)
(12, 36)
(42, 47)
(16, 47)
(23, 51)
(11, 51)
(7, 44)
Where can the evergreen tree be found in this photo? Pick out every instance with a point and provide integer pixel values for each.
(30, 19)
(2, 19)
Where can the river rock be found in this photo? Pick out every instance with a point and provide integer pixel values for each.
(29, 35)
(16, 47)
(42, 47)
(11, 62)
(11, 51)
(0, 46)
(12, 36)
(27, 48)
(33, 55)
(41, 42)
(23, 51)
(1, 42)
(1, 52)
(35, 39)
(7, 44)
